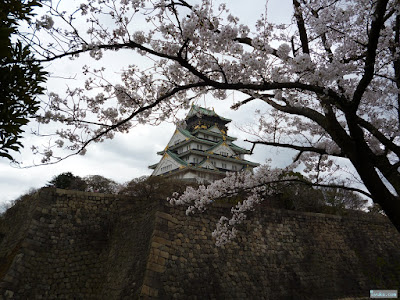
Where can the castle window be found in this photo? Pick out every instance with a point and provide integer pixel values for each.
(234, 167)
(166, 168)
(224, 153)
(224, 165)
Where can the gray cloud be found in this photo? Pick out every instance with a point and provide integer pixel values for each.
(128, 156)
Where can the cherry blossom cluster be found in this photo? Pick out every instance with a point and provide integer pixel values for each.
(256, 186)
(192, 46)
(328, 81)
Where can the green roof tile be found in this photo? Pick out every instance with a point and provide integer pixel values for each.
(176, 158)
(237, 148)
(204, 111)
(185, 132)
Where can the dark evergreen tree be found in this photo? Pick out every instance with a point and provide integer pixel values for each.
(20, 76)
(68, 181)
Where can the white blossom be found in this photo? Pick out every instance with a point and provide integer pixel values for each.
(317, 94)
(45, 22)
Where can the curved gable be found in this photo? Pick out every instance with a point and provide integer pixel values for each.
(214, 129)
(207, 165)
(224, 150)
(176, 138)
(166, 165)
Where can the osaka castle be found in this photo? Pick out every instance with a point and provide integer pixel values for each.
(201, 149)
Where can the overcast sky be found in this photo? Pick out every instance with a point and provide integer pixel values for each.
(128, 156)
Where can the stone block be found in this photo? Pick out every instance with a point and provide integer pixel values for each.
(8, 294)
(161, 240)
(164, 254)
(167, 217)
(145, 290)
(156, 267)
(160, 260)
(155, 245)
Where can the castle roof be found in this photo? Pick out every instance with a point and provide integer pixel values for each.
(201, 145)
(173, 156)
(197, 111)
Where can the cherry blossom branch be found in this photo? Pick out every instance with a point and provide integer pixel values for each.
(376, 25)
(243, 102)
(124, 121)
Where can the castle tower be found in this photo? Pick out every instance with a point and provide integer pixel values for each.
(201, 149)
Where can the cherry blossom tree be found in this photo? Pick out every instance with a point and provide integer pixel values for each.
(331, 80)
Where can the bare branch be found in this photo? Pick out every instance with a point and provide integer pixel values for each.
(297, 147)
(301, 26)
(331, 186)
(381, 137)
(369, 67)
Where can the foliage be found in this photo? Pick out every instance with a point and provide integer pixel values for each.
(16, 211)
(266, 183)
(20, 76)
(293, 194)
(100, 184)
(299, 197)
(341, 200)
(376, 209)
(68, 181)
(328, 83)
(153, 188)
(90, 183)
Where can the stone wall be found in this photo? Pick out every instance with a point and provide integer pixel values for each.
(75, 245)
(278, 255)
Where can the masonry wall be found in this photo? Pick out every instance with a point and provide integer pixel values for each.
(74, 245)
(77, 245)
(278, 255)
